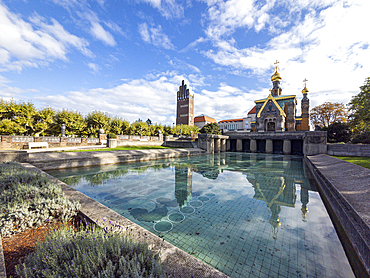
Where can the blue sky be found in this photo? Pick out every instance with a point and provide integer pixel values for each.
(128, 57)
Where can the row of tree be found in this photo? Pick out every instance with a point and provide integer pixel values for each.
(22, 118)
(349, 123)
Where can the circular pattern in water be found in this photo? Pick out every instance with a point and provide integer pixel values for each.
(163, 226)
(188, 210)
(196, 204)
(176, 217)
(210, 195)
(203, 198)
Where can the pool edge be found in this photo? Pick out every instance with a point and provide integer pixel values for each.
(352, 230)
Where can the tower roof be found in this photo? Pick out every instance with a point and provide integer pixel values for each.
(276, 76)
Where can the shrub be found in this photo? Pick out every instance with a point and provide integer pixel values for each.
(211, 128)
(112, 136)
(91, 252)
(361, 138)
(338, 132)
(28, 199)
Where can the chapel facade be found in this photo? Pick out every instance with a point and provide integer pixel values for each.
(278, 112)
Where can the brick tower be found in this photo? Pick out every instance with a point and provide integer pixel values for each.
(185, 106)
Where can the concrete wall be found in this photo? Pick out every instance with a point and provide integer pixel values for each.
(312, 142)
(179, 144)
(349, 150)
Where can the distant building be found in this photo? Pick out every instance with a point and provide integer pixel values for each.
(185, 106)
(250, 121)
(232, 124)
(202, 120)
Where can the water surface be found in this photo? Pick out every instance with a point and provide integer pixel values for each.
(247, 215)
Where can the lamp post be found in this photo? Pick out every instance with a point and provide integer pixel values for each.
(63, 130)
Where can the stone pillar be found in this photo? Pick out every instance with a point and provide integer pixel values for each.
(228, 145)
(223, 145)
(63, 141)
(217, 145)
(253, 145)
(269, 146)
(287, 147)
(239, 145)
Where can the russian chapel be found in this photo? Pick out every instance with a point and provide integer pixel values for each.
(278, 112)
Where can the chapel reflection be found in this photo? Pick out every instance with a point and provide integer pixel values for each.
(275, 181)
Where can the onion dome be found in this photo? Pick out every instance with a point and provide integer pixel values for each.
(276, 76)
(305, 90)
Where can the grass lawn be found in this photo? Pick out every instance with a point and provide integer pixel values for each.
(361, 161)
(124, 148)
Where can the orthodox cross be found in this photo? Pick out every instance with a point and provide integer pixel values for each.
(276, 63)
(305, 80)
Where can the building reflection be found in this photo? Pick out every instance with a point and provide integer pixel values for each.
(183, 184)
(275, 181)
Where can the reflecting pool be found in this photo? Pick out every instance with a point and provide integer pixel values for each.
(247, 215)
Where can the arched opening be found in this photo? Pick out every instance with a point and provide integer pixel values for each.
(271, 126)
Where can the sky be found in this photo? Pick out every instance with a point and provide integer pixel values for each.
(128, 57)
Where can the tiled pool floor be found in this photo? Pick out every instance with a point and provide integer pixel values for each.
(247, 215)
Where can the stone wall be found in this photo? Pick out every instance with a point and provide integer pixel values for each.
(349, 150)
(21, 142)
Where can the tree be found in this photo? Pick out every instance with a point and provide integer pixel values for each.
(211, 128)
(185, 130)
(139, 128)
(97, 120)
(338, 132)
(359, 108)
(328, 113)
(74, 121)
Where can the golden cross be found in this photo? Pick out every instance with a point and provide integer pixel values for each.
(305, 80)
(277, 62)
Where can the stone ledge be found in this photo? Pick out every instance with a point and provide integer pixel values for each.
(345, 190)
(179, 263)
(48, 161)
(2, 261)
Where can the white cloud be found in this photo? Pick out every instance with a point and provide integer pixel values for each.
(154, 35)
(325, 47)
(153, 97)
(34, 43)
(168, 8)
(227, 102)
(94, 67)
(101, 34)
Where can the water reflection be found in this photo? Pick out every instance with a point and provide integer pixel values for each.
(274, 178)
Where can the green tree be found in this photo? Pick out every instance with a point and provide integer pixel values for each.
(211, 128)
(338, 132)
(138, 128)
(186, 130)
(359, 108)
(97, 120)
(43, 121)
(328, 113)
(74, 121)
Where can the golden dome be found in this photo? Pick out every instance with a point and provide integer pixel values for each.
(305, 90)
(276, 76)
